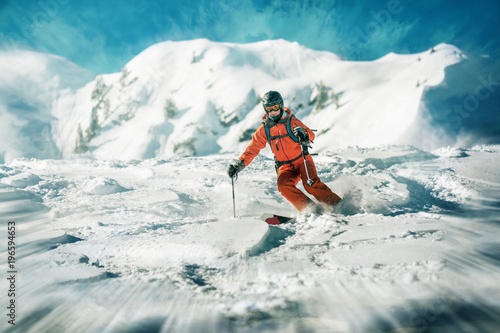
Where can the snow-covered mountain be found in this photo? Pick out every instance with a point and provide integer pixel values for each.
(151, 245)
(201, 97)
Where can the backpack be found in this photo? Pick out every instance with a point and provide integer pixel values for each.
(288, 130)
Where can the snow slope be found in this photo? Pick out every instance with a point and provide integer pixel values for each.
(151, 245)
(30, 84)
(137, 233)
(196, 98)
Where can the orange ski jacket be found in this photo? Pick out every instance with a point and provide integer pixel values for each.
(284, 148)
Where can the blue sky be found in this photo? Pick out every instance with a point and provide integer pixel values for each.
(103, 36)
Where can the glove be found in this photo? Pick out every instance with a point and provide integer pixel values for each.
(301, 134)
(233, 169)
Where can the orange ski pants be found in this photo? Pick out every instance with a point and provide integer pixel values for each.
(289, 176)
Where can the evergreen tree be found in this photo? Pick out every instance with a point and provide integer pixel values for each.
(125, 73)
(80, 144)
(99, 90)
(322, 97)
(94, 126)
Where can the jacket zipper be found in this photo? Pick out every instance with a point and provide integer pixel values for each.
(279, 140)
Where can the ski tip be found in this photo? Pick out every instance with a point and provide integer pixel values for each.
(272, 220)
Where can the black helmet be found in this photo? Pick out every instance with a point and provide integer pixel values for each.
(272, 98)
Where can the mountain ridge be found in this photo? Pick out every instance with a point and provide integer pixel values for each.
(201, 97)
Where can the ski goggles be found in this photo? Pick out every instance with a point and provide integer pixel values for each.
(272, 108)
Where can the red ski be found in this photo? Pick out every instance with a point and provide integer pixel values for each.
(273, 219)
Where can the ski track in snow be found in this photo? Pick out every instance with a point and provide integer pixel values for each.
(151, 246)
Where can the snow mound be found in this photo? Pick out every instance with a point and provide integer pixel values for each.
(22, 180)
(102, 186)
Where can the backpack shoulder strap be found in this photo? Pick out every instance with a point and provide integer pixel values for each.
(289, 129)
(268, 133)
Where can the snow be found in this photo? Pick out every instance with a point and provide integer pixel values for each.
(101, 186)
(137, 234)
(196, 98)
(152, 243)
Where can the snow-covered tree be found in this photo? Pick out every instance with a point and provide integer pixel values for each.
(324, 96)
(100, 90)
(81, 143)
(94, 126)
(124, 74)
(321, 97)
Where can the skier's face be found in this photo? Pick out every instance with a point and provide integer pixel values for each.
(273, 111)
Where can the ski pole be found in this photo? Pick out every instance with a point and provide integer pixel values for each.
(310, 182)
(234, 203)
